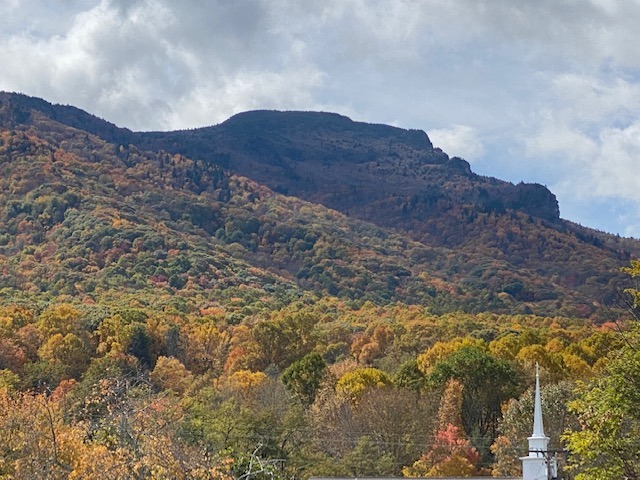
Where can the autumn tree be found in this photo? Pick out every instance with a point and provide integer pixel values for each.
(441, 350)
(170, 373)
(353, 384)
(450, 455)
(486, 382)
(68, 351)
(608, 409)
(450, 411)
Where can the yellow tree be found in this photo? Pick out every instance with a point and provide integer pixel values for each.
(441, 350)
(68, 351)
(170, 373)
(353, 384)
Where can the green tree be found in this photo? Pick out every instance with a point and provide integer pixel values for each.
(608, 409)
(367, 459)
(487, 383)
(409, 376)
(516, 425)
(303, 378)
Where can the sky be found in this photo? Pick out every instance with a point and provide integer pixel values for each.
(544, 91)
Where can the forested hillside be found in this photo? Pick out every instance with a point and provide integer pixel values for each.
(282, 295)
(503, 246)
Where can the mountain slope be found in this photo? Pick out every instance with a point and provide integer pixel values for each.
(91, 209)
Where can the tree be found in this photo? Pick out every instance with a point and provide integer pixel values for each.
(367, 459)
(441, 350)
(398, 421)
(353, 384)
(205, 346)
(62, 318)
(451, 455)
(67, 351)
(284, 340)
(608, 409)
(450, 411)
(487, 383)
(516, 425)
(409, 376)
(303, 377)
(170, 373)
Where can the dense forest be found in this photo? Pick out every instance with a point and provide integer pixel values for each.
(165, 314)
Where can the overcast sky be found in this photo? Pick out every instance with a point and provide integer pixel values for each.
(543, 91)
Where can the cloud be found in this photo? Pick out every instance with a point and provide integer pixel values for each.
(152, 65)
(588, 144)
(459, 140)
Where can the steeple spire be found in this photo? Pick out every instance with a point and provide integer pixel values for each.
(538, 427)
(539, 464)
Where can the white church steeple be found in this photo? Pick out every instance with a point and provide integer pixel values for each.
(539, 464)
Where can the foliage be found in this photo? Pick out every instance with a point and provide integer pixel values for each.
(303, 378)
(355, 383)
(515, 425)
(486, 383)
(605, 446)
(161, 317)
(451, 455)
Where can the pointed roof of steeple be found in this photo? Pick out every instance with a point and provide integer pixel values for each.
(538, 427)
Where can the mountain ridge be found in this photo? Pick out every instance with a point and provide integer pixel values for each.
(480, 243)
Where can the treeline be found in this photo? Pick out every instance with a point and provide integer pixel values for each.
(315, 388)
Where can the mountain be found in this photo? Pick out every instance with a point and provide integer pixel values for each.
(272, 206)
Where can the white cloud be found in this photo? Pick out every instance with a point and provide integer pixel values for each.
(459, 140)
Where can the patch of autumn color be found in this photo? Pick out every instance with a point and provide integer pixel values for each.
(555, 345)
(236, 360)
(67, 351)
(12, 356)
(213, 311)
(118, 222)
(506, 464)
(450, 411)
(243, 350)
(63, 389)
(576, 366)
(441, 350)
(372, 344)
(170, 373)
(207, 347)
(63, 318)
(244, 380)
(450, 455)
(353, 384)
(610, 326)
